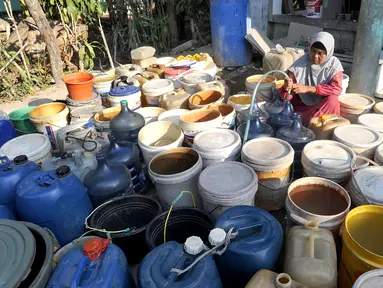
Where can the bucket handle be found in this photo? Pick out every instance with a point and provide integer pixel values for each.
(171, 208)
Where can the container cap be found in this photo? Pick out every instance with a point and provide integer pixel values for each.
(20, 160)
(63, 171)
(268, 152)
(123, 90)
(356, 101)
(374, 121)
(357, 136)
(370, 181)
(217, 237)
(94, 247)
(217, 140)
(197, 77)
(193, 245)
(227, 183)
(370, 279)
(31, 145)
(17, 252)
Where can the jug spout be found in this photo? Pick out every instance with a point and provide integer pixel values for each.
(283, 281)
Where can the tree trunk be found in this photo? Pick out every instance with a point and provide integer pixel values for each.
(173, 27)
(42, 23)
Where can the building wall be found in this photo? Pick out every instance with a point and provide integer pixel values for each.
(259, 13)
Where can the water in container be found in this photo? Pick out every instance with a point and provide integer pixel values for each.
(107, 181)
(126, 125)
(5, 213)
(127, 154)
(56, 200)
(283, 118)
(310, 256)
(155, 269)
(98, 264)
(298, 136)
(257, 129)
(257, 245)
(11, 174)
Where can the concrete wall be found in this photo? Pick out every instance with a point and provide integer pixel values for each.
(259, 14)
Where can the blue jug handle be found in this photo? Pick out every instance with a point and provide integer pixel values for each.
(80, 269)
(4, 162)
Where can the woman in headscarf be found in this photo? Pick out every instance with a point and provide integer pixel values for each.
(315, 80)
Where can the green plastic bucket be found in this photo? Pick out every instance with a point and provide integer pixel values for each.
(20, 119)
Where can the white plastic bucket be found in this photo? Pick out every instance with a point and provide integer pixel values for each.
(202, 99)
(328, 159)
(240, 102)
(265, 88)
(374, 121)
(272, 160)
(134, 100)
(174, 171)
(378, 108)
(158, 137)
(35, 146)
(128, 70)
(354, 105)
(190, 81)
(361, 139)
(217, 145)
(345, 83)
(103, 82)
(84, 114)
(173, 115)
(225, 185)
(154, 89)
(228, 114)
(150, 114)
(314, 8)
(370, 279)
(197, 121)
(297, 215)
(378, 158)
(102, 118)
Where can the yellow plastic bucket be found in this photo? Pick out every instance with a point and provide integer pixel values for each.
(362, 244)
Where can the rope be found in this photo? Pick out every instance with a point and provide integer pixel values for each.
(171, 208)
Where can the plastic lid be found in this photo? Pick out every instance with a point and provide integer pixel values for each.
(296, 133)
(357, 136)
(370, 182)
(197, 77)
(123, 90)
(378, 108)
(193, 245)
(374, 121)
(217, 237)
(129, 67)
(182, 63)
(158, 84)
(215, 140)
(370, 279)
(268, 152)
(33, 146)
(20, 160)
(356, 101)
(94, 247)
(63, 171)
(227, 183)
(328, 154)
(17, 252)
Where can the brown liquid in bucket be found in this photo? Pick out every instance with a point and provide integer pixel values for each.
(174, 162)
(319, 199)
(205, 97)
(200, 116)
(224, 109)
(266, 80)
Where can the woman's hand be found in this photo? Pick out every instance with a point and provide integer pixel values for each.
(288, 84)
(302, 89)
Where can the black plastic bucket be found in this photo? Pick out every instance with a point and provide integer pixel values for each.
(183, 223)
(134, 212)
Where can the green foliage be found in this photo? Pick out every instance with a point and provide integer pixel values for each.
(86, 54)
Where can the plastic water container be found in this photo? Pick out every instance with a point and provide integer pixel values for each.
(146, 77)
(146, 63)
(173, 74)
(158, 137)
(99, 262)
(217, 145)
(265, 91)
(11, 174)
(257, 245)
(310, 256)
(269, 279)
(217, 86)
(128, 70)
(327, 159)
(371, 279)
(365, 186)
(155, 270)
(228, 114)
(363, 140)
(35, 146)
(177, 99)
(127, 154)
(143, 52)
(159, 69)
(5, 213)
(258, 129)
(79, 163)
(131, 94)
(243, 115)
(374, 121)
(323, 127)
(283, 119)
(354, 105)
(272, 160)
(153, 90)
(175, 171)
(107, 181)
(150, 114)
(317, 200)
(7, 130)
(56, 200)
(225, 185)
(103, 118)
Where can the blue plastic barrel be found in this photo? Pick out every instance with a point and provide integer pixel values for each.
(11, 174)
(154, 270)
(228, 20)
(5, 213)
(103, 266)
(257, 245)
(7, 132)
(56, 200)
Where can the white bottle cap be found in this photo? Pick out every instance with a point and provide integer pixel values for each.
(217, 237)
(193, 245)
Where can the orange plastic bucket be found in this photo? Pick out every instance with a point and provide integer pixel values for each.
(79, 85)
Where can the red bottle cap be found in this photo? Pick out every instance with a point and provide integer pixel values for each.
(94, 247)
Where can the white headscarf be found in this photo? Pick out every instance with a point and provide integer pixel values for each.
(310, 74)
